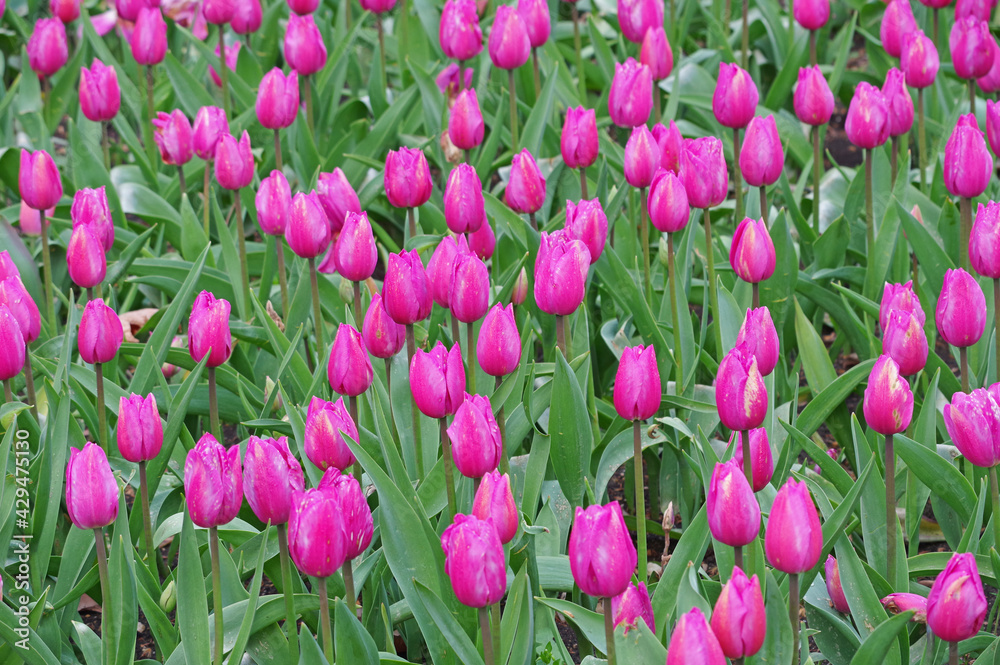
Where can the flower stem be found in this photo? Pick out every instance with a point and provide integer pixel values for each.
(411, 218)
(609, 631)
(470, 342)
(869, 209)
(996, 317)
(213, 406)
(922, 131)
(381, 49)
(513, 111)
(7, 392)
(793, 614)
(963, 362)
(965, 208)
(580, 73)
(411, 350)
(147, 523)
(812, 48)
(359, 316)
(388, 390)
(755, 298)
(223, 70)
(890, 511)
(449, 463)
(317, 311)
(106, 145)
(644, 237)
(241, 238)
(657, 104)
(817, 175)
(206, 189)
(502, 424)
(286, 582)
(746, 33)
(583, 182)
(181, 181)
(972, 96)
(353, 406)
(763, 204)
(538, 79)
(738, 557)
(349, 595)
(324, 619)
(484, 626)
(213, 545)
(952, 646)
(277, 150)
(747, 462)
(102, 568)
(640, 498)
(282, 277)
(151, 111)
(50, 306)
(307, 85)
(936, 24)
(894, 159)
(102, 413)
(561, 335)
(534, 223)
(713, 293)
(676, 314)
(995, 495)
(737, 174)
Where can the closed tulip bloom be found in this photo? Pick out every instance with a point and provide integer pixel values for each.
(509, 45)
(232, 57)
(897, 21)
(631, 96)
(520, 291)
(91, 488)
(470, 288)
(667, 202)
(356, 251)
(303, 7)
(47, 48)
(270, 475)
(984, 242)
(899, 296)
(7, 265)
(762, 157)
(735, 99)
(752, 252)
(637, 384)
(739, 621)
(971, 48)
(140, 430)
(274, 204)
(12, 347)
(636, 17)
(90, 208)
(323, 440)
(793, 540)
(30, 220)
(358, 524)
(535, 14)
(66, 11)
(16, 298)
(834, 586)
(475, 437)
(961, 309)
(474, 561)
(437, 380)
(900, 104)
(586, 221)
(304, 47)
(905, 602)
(213, 482)
(602, 557)
(451, 80)
(38, 180)
(813, 99)
(459, 32)
(383, 337)
(973, 423)
(905, 342)
(561, 273)
(307, 233)
(208, 330)
(464, 205)
(247, 17)
(218, 12)
(101, 333)
(919, 59)
(761, 338)
(979, 9)
(761, 460)
(278, 99)
(337, 196)
(406, 292)
(867, 122)
(407, 178)
(173, 136)
(317, 540)
(465, 121)
(498, 347)
(811, 14)
(642, 157)
(656, 53)
(494, 502)
(990, 83)
(740, 393)
(704, 172)
(349, 369)
(968, 164)
(631, 605)
(234, 167)
(377, 6)
(441, 268)
(210, 125)
(149, 38)
(732, 509)
(888, 405)
(578, 141)
(483, 242)
(525, 192)
(129, 9)
(100, 96)
(85, 257)
(956, 606)
(694, 642)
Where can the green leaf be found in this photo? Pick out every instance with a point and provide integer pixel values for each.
(815, 358)
(939, 474)
(589, 622)
(352, 643)
(192, 604)
(822, 405)
(463, 647)
(572, 437)
(541, 112)
(876, 646)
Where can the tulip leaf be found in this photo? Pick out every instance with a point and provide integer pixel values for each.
(777, 647)
(589, 622)
(541, 112)
(866, 609)
(619, 451)
(815, 359)
(938, 474)
(352, 643)
(192, 606)
(690, 548)
(569, 427)
(876, 646)
(517, 628)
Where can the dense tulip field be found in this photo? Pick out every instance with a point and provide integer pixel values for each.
(627, 332)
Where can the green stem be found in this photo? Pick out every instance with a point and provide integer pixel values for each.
(381, 50)
(495, 631)
(359, 316)
(609, 631)
(996, 330)
(7, 392)
(324, 619)
(737, 174)
(583, 182)
(963, 362)
(411, 350)
(890, 511)
(580, 73)
(952, 646)
(449, 463)
(484, 626)
(869, 209)
(965, 208)
(388, 391)
(502, 424)
(102, 412)
(657, 104)
(763, 204)
(50, 306)
(755, 298)
(644, 237)
(793, 614)
(277, 150)
(29, 380)
(561, 335)
(812, 48)
(353, 406)
(747, 461)
(181, 181)
(456, 336)
(350, 597)
(738, 557)
(972, 96)
(151, 111)
(727, 19)
(995, 495)
(213, 406)
(538, 78)
(291, 625)
(106, 145)
(922, 134)
(713, 293)
(534, 223)
(817, 175)
(147, 522)
(470, 342)
(282, 277)
(307, 85)
(412, 221)
(640, 498)
(513, 111)
(936, 24)
(746, 33)
(894, 159)
(102, 567)
(242, 240)
(224, 71)
(317, 312)
(213, 545)
(676, 314)
(207, 190)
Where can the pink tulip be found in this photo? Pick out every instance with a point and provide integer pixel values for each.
(867, 122)
(671, 144)
(631, 96)
(475, 437)
(441, 268)
(90, 208)
(761, 461)
(971, 48)
(961, 309)
(271, 474)
(91, 489)
(520, 291)
(919, 60)
(210, 125)
(956, 606)
(896, 22)
(905, 342)
(213, 483)
(811, 14)
(234, 162)
(656, 53)
(474, 560)
(739, 621)
(304, 47)
(897, 98)
(899, 296)
(383, 337)
(356, 251)
(47, 48)
(349, 369)
(978, 9)
(208, 330)
(100, 96)
(437, 380)
(149, 38)
(494, 502)
(968, 164)
(101, 333)
(762, 157)
(602, 557)
(834, 586)
(274, 204)
(498, 347)
(483, 242)
(636, 17)
(464, 206)
(813, 99)
(459, 32)
(704, 172)
(667, 202)
(407, 178)
(377, 6)
(509, 45)
(637, 391)
(587, 222)
(247, 17)
(303, 7)
(465, 121)
(18, 301)
(470, 288)
(735, 99)
(317, 537)
(218, 12)
(578, 142)
(451, 80)
(525, 193)
(278, 99)
(694, 642)
(561, 273)
(761, 339)
(232, 57)
(888, 405)
(535, 14)
(140, 430)
(173, 136)
(630, 606)
(85, 258)
(732, 509)
(642, 157)
(905, 602)
(740, 394)
(12, 346)
(337, 196)
(990, 83)
(38, 180)
(984, 242)
(307, 232)
(66, 11)
(793, 540)
(358, 524)
(405, 292)
(752, 253)
(327, 423)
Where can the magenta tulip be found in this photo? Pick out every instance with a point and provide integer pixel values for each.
(813, 99)
(317, 538)
(475, 437)
(234, 162)
(100, 96)
(210, 125)
(898, 99)
(459, 32)
(642, 157)
(304, 47)
(919, 60)
(525, 193)
(85, 257)
(631, 605)
(47, 48)
(16, 298)
(739, 621)
(761, 460)
(735, 99)
(474, 560)
(470, 288)
(694, 642)
(631, 96)
(483, 242)
(349, 369)
(867, 122)
(509, 45)
(498, 347)
(271, 474)
(671, 144)
(464, 206)
(637, 390)
(740, 394)
(732, 509)
(811, 14)
(888, 405)
(667, 202)
(149, 37)
(956, 606)
(762, 157)
(984, 242)
(213, 482)
(337, 196)
(538, 23)
(437, 380)
(406, 292)
(383, 337)
(561, 273)
(656, 53)
(247, 17)
(307, 232)
(752, 253)
(968, 164)
(793, 539)
(407, 178)
(12, 345)
(90, 208)
(761, 338)
(208, 330)
(494, 502)
(465, 121)
(899, 296)
(91, 488)
(636, 17)
(971, 47)
(274, 204)
(905, 342)
(441, 268)
(896, 22)
(358, 524)
(140, 430)
(356, 251)
(101, 333)
(38, 180)
(602, 557)
(587, 222)
(66, 11)
(906, 602)
(323, 440)
(961, 309)
(578, 141)
(834, 586)
(703, 172)
(278, 99)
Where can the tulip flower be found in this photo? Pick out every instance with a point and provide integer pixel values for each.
(459, 32)
(465, 121)
(537, 22)
(494, 502)
(129, 9)
(732, 509)
(140, 430)
(694, 642)
(101, 333)
(483, 242)
(578, 141)
(100, 96)
(17, 299)
(247, 17)
(525, 192)
(703, 172)
(278, 99)
(561, 273)
(667, 202)
(956, 606)
(30, 219)
(761, 157)
(867, 122)
(631, 95)
(234, 168)
(671, 144)
(587, 222)
(971, 48)
(271, 474)
(441, 268)
(888, 404)
(66, 11)
(91, 488)
(761, 338)
(896, 22)
(905, 342)
(303, 7)
(657, 54)
(602, 557)
(406, 292)
(734, 101)
(274, 204)
(739, 621)
(85, 257)
(813, 100)
(358, 524)
(218, 12)
(968, 164)
(304, 47)
(12, 349)
(900, 297)
(642, 157)
(382, 336)
(475, 437)
(173, 136)
(213, 483)
(90, 208)
(377, 6)
(509, 44)
(7, 266)
(961, 309)
(337, 196)
(637, 390)
(210, 125)
(752, 253)
(984, 240)
(631, 605)
(905, 602)
(636, 17)
(740, 393)
(323, 440)
(811, 14)
(793, 539)
(437, 380)
(38, 180)
(520, 291)
(498, 347)
(919, 60)
(474, 562)
(973, 423)
(470, 291)
(356, 251)
(834, 587)
(407, 180)
(761, 461)
(149, 37)
(900, 105)
(47, 48)
(208, 330)
(464, 205)
(990, 83)
(349, 369)
(453, 79)
(307, 232)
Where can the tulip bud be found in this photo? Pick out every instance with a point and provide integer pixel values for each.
(407, 178)
(956, 606)
(100, 96)
(307, 232)
(978, 9)
(168, 598)
(405, 291)
(90, 208)
(671, 144)
(919, 59)
(464, 206)
(761, 461)
(587, 222)
(636, 17)
(149, 38)
(732, 509)
(459, 32)
(905, 342)
(274, 204)
(694, 642)
(358, 524)
(38, 180)
(172, 133)
(538, 23)
(278, 99)
(761, 157)
(509, 45)
(91, 488)
(140, 431)
(971, 48)
(378, 6)
(483, 242)
(761, 338)
(12, 346)
(752, 253)
(208, 330)
(437, 380)
(304, 47)
(474, 560)
(465, 121)
(498, 347)
(811, 14)
(85, 258)
(247, 17)
(561, 273)
(525, 191)
(602, 557)
(703, 172)
(383, 337)
(905, 602)
(232, 56)
(494, 502)
(984, 242)
(520, 291)
(7, 266)
(356, 251)
(218, 12)
(740, 394)
(631, 605)
(337, 196)
(441, 268)
(990, 83)
(47, 48)
(129, 9)
(897, 21)
(16, 298)
(475, 437)
(834, 587)
(451, 80)
(968, 164)
(234, 167)
(470, 288)
(637, 384)
(66, 11)
(667, 202)
(323, 438)
(898, 100)
(349, 369)
(793, 540)
(303, 7)
(888, 405)
(317, 537)
(101, 333)
(578, 142)
(973, 423)
(867, 123)
(271, 474)
(656, 53)
(902, 297)
(30, 220)
(739, 621)
(642, 157)
(631, 96)
(961, 309)
(813, 99)
(213, 482)
(210, 125)
(735, 99)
